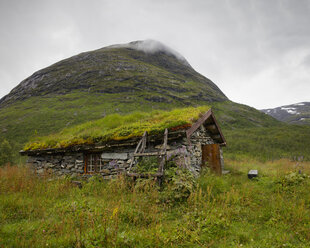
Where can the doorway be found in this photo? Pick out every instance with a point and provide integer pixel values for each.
(211, 157)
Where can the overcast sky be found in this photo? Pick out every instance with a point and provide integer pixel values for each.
(257, 52)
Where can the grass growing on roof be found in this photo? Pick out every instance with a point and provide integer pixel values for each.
(119, 127)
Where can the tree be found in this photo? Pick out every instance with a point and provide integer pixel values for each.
(6, 153)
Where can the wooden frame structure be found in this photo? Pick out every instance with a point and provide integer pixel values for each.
(140, 152)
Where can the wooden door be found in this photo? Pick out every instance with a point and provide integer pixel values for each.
(211, 157)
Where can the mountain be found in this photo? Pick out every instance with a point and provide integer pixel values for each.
(138, 76)
(298, 113)
(145, 68)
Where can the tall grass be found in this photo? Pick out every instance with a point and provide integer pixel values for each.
(227, 211)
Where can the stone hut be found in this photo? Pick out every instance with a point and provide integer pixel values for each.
(197, 145)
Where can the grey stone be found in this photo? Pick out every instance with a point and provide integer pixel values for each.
(252, 174)
(50, 165)
(114, 156)
(70, 166)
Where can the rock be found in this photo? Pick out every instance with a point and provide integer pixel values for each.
(105, 171)
(73, 175)
(252, 174)
(50, 165)
(114, 156)
(70, 166)
(77, 183)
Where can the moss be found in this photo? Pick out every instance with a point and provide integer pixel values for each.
(119, 127)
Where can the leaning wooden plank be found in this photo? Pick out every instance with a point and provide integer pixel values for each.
(150, 154)
(143, 142)
(133, 159)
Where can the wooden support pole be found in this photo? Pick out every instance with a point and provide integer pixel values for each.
(132, 160)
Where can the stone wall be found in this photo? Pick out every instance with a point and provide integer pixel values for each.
(199, 137)
(58, 164)
(186, 153)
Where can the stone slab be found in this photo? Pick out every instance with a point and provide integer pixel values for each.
(114, 156)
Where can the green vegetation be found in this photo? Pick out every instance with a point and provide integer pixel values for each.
(6, 153)
(249, 133)
(286, 141)
(91, 85)
(117, 127)
(227, 211)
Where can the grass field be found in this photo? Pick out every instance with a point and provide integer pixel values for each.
(227, 211)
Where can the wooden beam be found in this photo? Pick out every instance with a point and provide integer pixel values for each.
(143, 146)
(164, 150)
(147, 154)
(197, 124)
(137, 148)
(220, 131)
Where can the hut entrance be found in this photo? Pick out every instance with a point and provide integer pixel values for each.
(211, 157)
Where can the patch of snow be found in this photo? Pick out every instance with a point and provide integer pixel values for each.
(268, 110)
(290, 108)
(292, 112)
(299, 104)
(302, 119)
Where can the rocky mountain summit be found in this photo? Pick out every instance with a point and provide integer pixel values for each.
(298, 113)
(147, 67)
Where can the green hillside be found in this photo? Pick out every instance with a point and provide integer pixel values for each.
(120, 80)
(88, 86)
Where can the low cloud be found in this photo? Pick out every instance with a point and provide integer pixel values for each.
(152, 46)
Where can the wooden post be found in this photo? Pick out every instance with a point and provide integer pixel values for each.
(140, 152)
(163, 157)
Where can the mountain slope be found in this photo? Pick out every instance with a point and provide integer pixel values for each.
(158, 73)
(143, 76)
(298, 113)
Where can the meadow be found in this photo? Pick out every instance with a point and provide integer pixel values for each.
(212, 211)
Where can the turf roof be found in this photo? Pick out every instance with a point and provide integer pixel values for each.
(119, 127)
